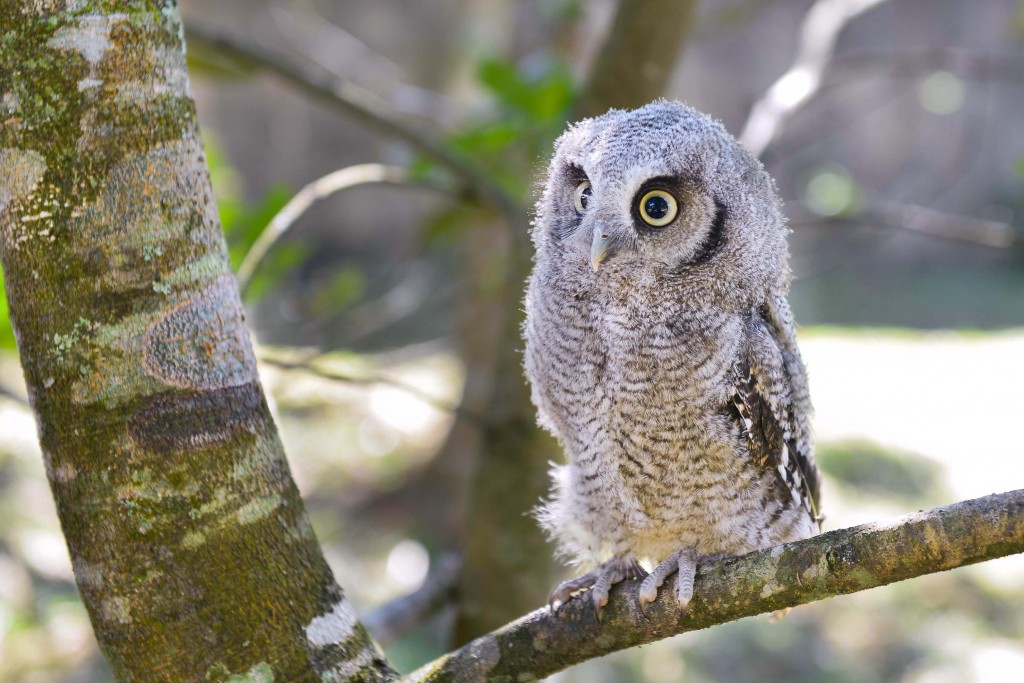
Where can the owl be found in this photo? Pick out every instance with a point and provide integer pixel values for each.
(661, 352)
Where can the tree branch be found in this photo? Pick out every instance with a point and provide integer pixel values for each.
(921, 219)
(909, 62)
(311, 366)
(835, 563)
(818, 33)
(321, 188)
(639, 55)
(362, 106)
(392, 620)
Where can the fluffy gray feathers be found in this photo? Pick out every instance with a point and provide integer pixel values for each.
(664, 358)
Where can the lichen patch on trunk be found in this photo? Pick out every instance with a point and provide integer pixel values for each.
(90, 37)
(203, 342)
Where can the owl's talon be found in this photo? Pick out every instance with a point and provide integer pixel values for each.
(599, 580)
(683, 562)
(687, 561)
(567, 589)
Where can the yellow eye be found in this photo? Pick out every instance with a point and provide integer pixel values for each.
(658, 208)
(581, 196)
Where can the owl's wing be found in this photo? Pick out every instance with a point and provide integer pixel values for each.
(771, 403)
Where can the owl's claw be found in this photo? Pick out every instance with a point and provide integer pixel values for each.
(683, 562)
(567, 589)
(599, 581)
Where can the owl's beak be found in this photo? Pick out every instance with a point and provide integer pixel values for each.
(601, 247)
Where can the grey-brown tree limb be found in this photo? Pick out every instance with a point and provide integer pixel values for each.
(190, 543)
(834, 563)
(318, 190)
(819, 32)
(362, 106)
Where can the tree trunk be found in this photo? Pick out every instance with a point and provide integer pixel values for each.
(507, 564)
(191, 546)
(639, 55)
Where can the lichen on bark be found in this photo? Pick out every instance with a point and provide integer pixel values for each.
(191, 547)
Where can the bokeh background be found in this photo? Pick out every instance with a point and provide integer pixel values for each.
(902, 168)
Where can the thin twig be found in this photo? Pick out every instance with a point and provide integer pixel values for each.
(910, 62)
(13, 396)
(835, 563)
(895, 65)
(818, 34)
(311, 366)
(321, 188)
(392, 620)
(919, 219)
(362, 106)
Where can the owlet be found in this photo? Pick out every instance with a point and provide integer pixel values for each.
(662, 353)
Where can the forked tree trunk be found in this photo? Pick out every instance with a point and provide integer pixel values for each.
(191, 547)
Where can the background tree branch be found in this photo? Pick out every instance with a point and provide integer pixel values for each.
(639, 55)
(920, 219)
(359, 104)
(818, 34)
(835, 563)
(319, 189)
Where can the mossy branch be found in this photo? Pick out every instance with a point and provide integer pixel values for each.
(835, 563)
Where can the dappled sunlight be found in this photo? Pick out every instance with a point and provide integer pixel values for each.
(951, 397)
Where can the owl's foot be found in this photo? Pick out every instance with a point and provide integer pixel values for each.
(685, 563)
(599, 581)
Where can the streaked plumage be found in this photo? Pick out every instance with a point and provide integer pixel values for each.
(664, 358)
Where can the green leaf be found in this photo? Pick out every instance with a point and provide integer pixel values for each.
(447, 225)
(345, 288)
(280, 261)
(7, 341)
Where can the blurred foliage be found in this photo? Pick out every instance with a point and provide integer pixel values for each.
(531, 101)
(7, 341)
(832, 191)
(341, 290)
(869, 468)
(244, 220)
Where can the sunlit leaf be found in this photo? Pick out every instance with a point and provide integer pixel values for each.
(6, 331)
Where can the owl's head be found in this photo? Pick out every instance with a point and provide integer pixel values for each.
(664, 191)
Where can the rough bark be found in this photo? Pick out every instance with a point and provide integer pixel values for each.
(835, 563)
(507, 562)
(638, 57)
(191, 546)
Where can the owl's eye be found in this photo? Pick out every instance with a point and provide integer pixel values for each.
(581, 197)
(658, 208)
